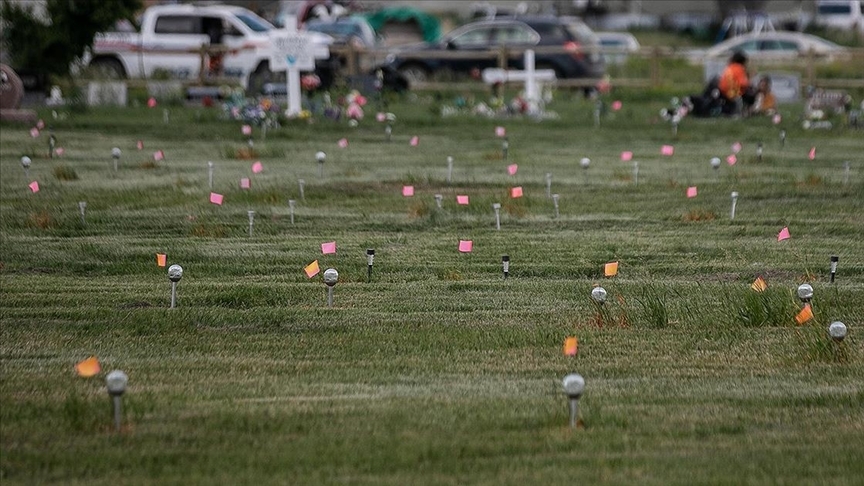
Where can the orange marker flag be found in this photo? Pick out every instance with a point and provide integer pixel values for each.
(312, 269)
(161, 259)
(571, 346)
(805, 315)
(610, 269)
(759, 285)
(89, 367)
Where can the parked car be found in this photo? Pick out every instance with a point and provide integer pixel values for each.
(517, 32)
(352, 30)
(616, 46)
(769, 46)
(840, 14)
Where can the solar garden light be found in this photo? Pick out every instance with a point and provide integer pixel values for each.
(449, 169)
(585, 162)
(25, 163)
(166, 116)
(210, 173)
(291, 204)
(846, 173)
(555, 203)
(115, 154)
(301, 183)
(548, 184)
(497, 208)
(676, 119)
(715, 163)
(388, 132)
(505, 147)
(330, 278)
(636, 173)
(116, 382)
(598, 294)
(320, 157)
(82, 206)
(505, 265)
(837, 331)
(734, 203)
(834, 260)
(438, 199)
(251, 220)
(175, 273)
(782, 138)
(370, 259)
(52, 144)
(805, 293)
(598, 107)
(759, 151)
(573, 385)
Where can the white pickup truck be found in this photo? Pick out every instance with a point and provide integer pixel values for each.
(171, 37)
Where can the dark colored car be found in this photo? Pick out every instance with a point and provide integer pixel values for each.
(517, 33)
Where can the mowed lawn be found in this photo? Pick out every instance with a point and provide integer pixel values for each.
(437, 370)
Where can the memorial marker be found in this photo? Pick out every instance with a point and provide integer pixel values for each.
(116, 382)
(175, 273)
(330, 278)
(574, 385)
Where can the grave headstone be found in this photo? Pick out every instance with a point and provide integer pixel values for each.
(106, 93)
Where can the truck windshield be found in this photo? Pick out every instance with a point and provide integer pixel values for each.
(254, 22)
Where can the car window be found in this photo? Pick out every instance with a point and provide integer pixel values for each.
(582, 33)
(477, 37)
(254, 22)
(178, 24)
(749, 46)
(514, 35)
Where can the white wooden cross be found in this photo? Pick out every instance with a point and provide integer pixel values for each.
(295, 51)
(530, 76)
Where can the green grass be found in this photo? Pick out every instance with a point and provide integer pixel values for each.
(438, 371)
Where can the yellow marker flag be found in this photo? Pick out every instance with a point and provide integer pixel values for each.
(312, 269)
(805, 315)
(161, 259)
(571, 346)
(89, 367)
(759, 285)
(610, 269)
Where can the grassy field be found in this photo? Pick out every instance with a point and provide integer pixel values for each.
(438, 371)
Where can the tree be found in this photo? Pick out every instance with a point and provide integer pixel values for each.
(46, 45)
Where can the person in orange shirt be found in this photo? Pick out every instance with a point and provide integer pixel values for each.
(735, 84)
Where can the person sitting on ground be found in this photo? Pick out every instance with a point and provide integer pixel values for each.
(734, 85)
(765, 102)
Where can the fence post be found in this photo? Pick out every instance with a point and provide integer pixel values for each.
(655, 67)
(502, 64)
(811, 74)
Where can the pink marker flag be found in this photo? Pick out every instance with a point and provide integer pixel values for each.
(777, 119)
(691, 191)
(216, 198)
(500, 132)
(59, 151)
(34, 132)
(246, 129)
(381, 117)
(783, 234)
(158, 155)
(415, 141)
(34, 186)
(140, 145)
(736, 147)
(407, 191)
(257, 167)
(512, 168)
(245, 183)
(627, 156)
(812, 154)
(616, 105)
(667, 150)
(463, 200)
(516, 192)
(465, 246)
(343, 142)
(732, 159)
(328, 248)
(151, 103)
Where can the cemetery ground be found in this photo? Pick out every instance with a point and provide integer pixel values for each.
(438, 370)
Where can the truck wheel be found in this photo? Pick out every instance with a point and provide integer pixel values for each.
(106, 68)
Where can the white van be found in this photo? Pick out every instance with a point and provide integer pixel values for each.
(840, 14)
